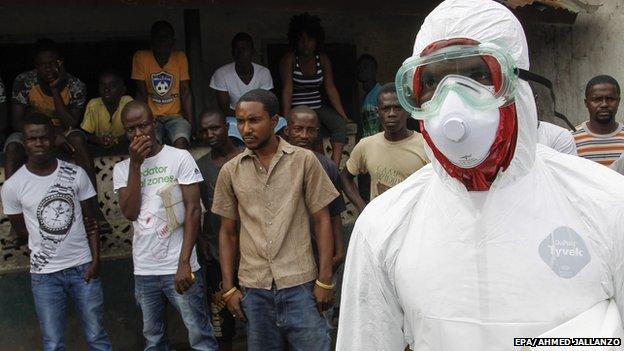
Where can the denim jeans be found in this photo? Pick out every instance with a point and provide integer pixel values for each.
(50, 293)
(152, 293)
(290, 314)
(172, 128)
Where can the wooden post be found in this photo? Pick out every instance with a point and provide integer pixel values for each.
(192, 31)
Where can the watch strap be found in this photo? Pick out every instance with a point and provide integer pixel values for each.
(65, 179)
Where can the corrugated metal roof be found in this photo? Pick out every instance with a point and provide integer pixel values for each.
(575, 6)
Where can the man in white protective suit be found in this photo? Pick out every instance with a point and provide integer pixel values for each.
(499, 238)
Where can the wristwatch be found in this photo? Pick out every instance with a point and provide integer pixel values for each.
(55, 215)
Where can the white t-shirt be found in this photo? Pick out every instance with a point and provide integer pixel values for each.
(155, 249)
(226, 79)
(556, 137)
(51, 207)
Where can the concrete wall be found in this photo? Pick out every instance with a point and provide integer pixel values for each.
(79, 22)
(571, 55)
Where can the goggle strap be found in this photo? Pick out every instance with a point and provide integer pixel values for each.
(536, 78)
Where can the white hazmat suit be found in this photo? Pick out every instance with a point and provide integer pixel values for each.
(435, 267)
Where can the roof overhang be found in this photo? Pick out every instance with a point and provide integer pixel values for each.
(550, 11)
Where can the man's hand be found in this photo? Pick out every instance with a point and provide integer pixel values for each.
(93, 271)
(139, 149)
(183, 278)
(324, 298)
(56, 80)
(337, 260)
(92, 230)
(107, 140)
(234, 306)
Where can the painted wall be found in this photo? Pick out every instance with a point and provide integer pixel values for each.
(571, 55)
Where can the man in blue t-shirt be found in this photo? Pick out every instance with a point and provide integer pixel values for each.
(367, 75)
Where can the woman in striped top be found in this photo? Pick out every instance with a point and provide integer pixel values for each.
(304, 71)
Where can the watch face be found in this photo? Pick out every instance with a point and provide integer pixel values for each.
(56, 214)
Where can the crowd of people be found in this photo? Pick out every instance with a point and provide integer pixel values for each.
(270, 243)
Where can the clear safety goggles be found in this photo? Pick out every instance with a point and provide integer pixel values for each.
(484, 75)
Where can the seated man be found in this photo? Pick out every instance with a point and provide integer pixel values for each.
(235, 79)
(389, 156)
(102, 118)
(49, 90)
(163, 82)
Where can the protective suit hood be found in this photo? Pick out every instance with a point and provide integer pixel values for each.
(541, 252)
(487, 21)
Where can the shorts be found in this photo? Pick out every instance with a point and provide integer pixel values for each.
(332, 124)
(172, 128)
(18, 137)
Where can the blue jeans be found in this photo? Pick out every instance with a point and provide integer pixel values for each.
(50, 293)
(152, 293)
(290, 313)
(172, 128)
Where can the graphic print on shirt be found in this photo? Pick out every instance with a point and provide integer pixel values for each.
(153, 222)
(387, 178)
(565, 252)
(55, 214)
(162, 82)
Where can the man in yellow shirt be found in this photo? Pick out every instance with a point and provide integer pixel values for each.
(163, 82)
(390, 156)
(102, 118)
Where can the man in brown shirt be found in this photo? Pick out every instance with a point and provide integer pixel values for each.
(271, 188)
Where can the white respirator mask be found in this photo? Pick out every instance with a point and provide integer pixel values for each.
(463, 133)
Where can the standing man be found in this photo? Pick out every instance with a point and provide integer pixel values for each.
(272, 188)
(556, 138)
(235, 79)
(389, 156)
(367, 76)
(3, 112)
(499, 237)
(369, 120)
(302, 130)
(163, 251)
(50, 202)
(601, 139)
(214, 130)
(162, 79)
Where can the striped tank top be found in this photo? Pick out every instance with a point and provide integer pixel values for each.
(603, 149)
(307, 89)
